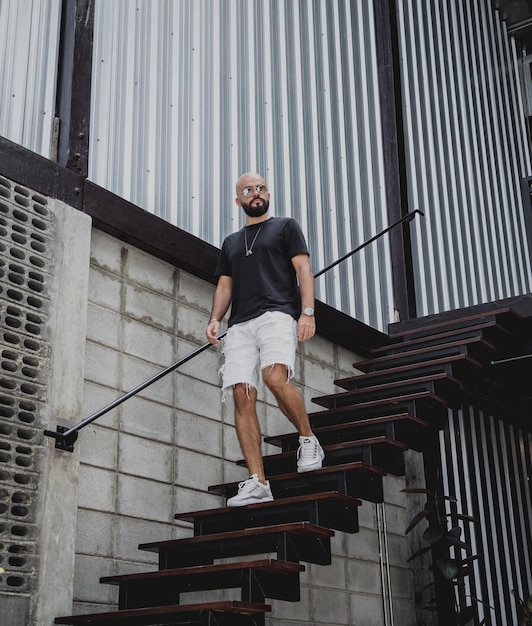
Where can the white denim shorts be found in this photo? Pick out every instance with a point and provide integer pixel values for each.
(250, 347)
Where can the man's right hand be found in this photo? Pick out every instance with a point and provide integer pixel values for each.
(212, 331)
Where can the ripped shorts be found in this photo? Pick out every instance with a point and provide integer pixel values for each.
(250, 347)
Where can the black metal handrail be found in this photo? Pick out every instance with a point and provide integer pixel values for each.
(66, 437)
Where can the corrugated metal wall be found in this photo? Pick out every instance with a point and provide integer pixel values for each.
(29, 45)
(466, 152)
(188, 94)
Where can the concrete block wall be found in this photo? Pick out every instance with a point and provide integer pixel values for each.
(44, 262)
(157, 453)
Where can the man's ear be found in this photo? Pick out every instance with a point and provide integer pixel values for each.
(237, 200)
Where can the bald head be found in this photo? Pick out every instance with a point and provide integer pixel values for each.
(248, 179)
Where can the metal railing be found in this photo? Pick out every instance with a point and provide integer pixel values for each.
(66, 437)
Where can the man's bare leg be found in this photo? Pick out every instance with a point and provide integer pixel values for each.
(248, 428)
(288, 397)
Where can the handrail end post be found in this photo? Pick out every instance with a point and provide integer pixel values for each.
(63, 442)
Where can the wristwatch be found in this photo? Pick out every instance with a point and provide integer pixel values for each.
(307, 311)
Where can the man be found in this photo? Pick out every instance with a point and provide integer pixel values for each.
(264, 273)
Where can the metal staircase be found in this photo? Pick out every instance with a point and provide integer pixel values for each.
(397, 403)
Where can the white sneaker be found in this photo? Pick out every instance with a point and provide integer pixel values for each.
(309, 455)
(251, 491)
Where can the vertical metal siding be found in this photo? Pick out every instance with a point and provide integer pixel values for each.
(466, 153)
(486, 466)
(188, 94)
(29, 42)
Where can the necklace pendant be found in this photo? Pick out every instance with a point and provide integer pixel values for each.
(249, 251)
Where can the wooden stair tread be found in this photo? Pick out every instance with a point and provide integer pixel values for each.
(340, 498)
(418, 381)
(358, 479)
(357, 466)
(295, 527)
(440, 338)
(296, 541)
(357, 443)
(378, 403)
(434, 364)
(147, 615)
(330, 508)
(278, 439)
(374, 420)
(370, 441)
(453, 347)
(462, 322)
(380, 407)
(270, 565)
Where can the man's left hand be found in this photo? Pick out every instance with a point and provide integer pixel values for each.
(306, 327)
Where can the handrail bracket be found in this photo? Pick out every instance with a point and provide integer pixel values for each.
(63, 442)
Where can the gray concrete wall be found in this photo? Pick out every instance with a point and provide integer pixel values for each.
(158, 453)
(58, 492)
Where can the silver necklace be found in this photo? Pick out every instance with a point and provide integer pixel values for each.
(249, 250)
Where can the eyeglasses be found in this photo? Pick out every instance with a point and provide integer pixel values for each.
(250, 191)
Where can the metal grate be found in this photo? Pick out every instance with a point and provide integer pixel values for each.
(26, 231)
(486, 466)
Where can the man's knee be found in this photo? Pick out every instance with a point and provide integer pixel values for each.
(276, 376)
(244, 393)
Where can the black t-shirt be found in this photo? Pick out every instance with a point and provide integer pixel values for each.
(264, 280)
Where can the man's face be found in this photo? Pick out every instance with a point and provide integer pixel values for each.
(253, 196)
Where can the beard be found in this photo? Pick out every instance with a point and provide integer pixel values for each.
(257, 210)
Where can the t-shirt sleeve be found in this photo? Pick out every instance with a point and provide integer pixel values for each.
(296, 243)
(223, 267)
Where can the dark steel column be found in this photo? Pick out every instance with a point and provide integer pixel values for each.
(393, 146)
(73, 98)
